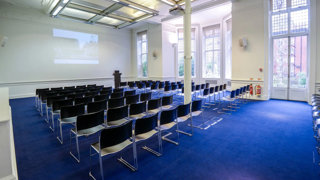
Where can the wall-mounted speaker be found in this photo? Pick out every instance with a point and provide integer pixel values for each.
(3, 41)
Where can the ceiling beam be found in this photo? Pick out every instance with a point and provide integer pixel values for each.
(97, 12)
(59, 7)
(169, 2)
(84, 20)
(105, 12)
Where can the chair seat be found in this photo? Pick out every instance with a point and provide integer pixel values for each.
(138, 116)
(167, 107)
(117, 122)
(145, 135)
(183, 118)
(111, 149)
(196, 113)
(154, 111)
(167, 126)
(68, 120)
(56, 112)
(227, 99)
(86, 132)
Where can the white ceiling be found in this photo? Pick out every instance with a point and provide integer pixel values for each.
(206, 16)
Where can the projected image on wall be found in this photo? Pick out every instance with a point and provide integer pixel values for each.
(75, 47)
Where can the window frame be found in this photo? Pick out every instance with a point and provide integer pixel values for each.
(140, 54)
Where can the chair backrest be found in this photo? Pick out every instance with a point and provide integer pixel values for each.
(117, 95)
(183, 110)
(167, 100)
(116, 102)
(154, 104)
(161, 85)
(207, 85)
(109, 88)
(118, 90)
(129, 93)
(106, 92)
(237, 92)
(224, 86)
(132, 99)
(81, 87)
(69, 87)
(167, 83)
(132, 84)
(155, 86)
(101, 98)
(138, 108)
(50, 99)
(72, 111)
(39, 90)
(232, 94)
(141, 85)
(117, 113)
(123, 83)
(193, 88)
(168, 116)
(167, 88)
(203, 86)
(91, 85)
(87, 121)
(56, 105)
(115, 135)
(174, 87)
(180, 86)
(205, 92)
(146, 124)
(56, 89)
(83, 100)
(91, 93)
(248, 87)
(97, 106)
(145, 96)
(216, 89)
(198, 87)
(211, 90)
(221, 88)
(196, 105)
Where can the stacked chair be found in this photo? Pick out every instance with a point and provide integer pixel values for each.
(315, 100)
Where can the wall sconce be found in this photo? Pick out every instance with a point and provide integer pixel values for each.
(243, 42)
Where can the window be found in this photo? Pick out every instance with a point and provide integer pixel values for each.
(211, 61)
(228, 49)
(142, 52)
(289, 17)
(181, 52)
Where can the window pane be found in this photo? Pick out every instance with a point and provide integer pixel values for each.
(209, 43)
(299, 21)
(193, 45)
(216, 64)
(228, 53)
(298, 3)
(278, 5)
(180, 33)
(181, 45)
(216, 43)
(144, 47)
(144, 65)
(208, 65)
(280, 24)
(298, 62)
(280, 62)
(193, 64)
(144, 37)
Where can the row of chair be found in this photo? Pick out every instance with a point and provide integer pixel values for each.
(316, 119)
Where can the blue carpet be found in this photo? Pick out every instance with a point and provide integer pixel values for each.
(263, 140)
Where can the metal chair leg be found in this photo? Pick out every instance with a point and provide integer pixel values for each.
(60, 139)
(78, 151)
(101, 166)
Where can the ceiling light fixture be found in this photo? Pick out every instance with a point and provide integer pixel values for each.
(143, 18)
(144, 10)
(65, 1)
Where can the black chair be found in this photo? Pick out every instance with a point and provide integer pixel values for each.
(146, 128)
(196, 110)
(105, 92)
(116, 95)
(56, 107)
(116, 102)
(167, 90)
(97, 106)
(132, 99)
(129, 93)
(167, 102)
(145, 96)
(84, 100)
(37, 99)
(91, 85)
(207, 85)
(138, 110)
(114, 140)
(56, 89)
(101, 98)
(123, 84)
(81, 87)
(118, 90)
(154, 106)
(49, 102)
(183, 114)
(68, 115)
(69, 87)
(91, 93)
(117, 116)
(86, 125)
(168, 120)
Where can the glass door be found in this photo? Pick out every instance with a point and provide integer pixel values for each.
(289, 68)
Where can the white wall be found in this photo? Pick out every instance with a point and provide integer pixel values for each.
(248, 21)
(27, 61)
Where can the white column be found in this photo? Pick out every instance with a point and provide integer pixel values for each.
(187, 52)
